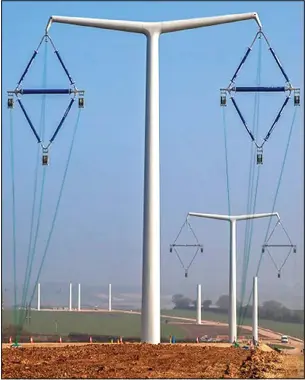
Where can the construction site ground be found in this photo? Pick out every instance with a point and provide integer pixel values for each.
(201, 360)
(197, 360)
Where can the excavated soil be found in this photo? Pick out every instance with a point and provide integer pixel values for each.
(140, 361)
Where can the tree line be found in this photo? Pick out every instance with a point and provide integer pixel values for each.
(271, 310)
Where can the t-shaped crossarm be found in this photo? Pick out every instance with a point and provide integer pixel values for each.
(234, 217)
(153, 27)
(150, 316)
(232, 275)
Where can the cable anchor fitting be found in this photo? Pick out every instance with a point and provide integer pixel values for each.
(45, 156)
(81, 100)
(259, 156)
(223, 98)
(10, 102)
(296, 97)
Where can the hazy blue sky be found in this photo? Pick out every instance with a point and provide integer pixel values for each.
(98, 235)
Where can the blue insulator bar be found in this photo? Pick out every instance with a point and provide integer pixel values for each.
(279, 64)
(64, 67)
(242, 119)
(276, 119)
(259, 89)
(27, 68)
(240, 65)
(186, 245)
(42, 91)
(29, 121)
(279, 245)
(62, 120)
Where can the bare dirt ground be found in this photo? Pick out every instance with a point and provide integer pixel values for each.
(212, 330)
(146, 361)
(294, 365)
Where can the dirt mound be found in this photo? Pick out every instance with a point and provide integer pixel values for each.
(138, 361)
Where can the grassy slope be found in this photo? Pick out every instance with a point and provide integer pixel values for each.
(293, 329)
(116, 324)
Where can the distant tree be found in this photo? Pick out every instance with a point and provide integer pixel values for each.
(194, 304)
(285, 314)
(206, 304)
(181, 302)
(271, 310)
(297, 316)
(177, 297)
(223, 302)
(244, 311)
(275, 305)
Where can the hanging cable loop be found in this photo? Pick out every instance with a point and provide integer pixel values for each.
(232, 90)
(267, 246)
(175, 246)
(20, 91)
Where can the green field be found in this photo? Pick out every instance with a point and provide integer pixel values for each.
(292, 329)
(65, 322)
(127, 325)
(281, 347)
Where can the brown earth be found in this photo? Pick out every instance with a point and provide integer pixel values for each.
(145, 361)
